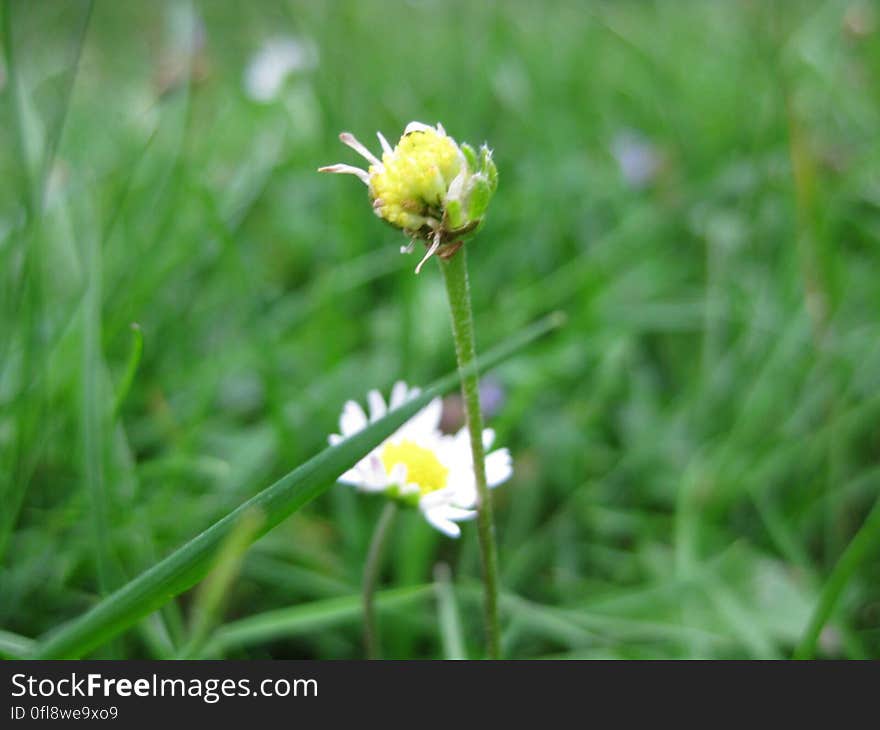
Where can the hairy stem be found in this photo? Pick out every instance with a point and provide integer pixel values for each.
(457, 288)
(372, 566)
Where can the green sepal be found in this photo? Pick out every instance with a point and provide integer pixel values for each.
(478, 199)
(492, 173)
(470, 156)
(454, 214)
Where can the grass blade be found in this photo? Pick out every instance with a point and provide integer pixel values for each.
(134, 359)
(13, 646)
(862, 545)
(448, 619)
(307, 617)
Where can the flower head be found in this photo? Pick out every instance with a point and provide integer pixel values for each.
(429, 186)
(419, 465)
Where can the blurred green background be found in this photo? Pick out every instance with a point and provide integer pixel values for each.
(695, 184)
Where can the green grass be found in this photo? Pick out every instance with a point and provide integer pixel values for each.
(696, 451)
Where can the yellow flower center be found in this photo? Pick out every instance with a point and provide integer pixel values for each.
(415, 177)
(422, 465)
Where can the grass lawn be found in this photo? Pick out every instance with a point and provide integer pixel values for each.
(186, 305)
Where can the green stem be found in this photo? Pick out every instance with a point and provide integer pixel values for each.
(371, 576)
(455, 275)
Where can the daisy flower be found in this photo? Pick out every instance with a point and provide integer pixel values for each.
(278, 59)
(429, 186)
(419, 465)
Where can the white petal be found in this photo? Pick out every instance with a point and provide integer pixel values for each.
(349, 139)
(418, 127)
(444, 518)
(499, 467)
(335, 438)
(353, 419)
(373, 476)
(352, 476)
(348, 170)
(461, 442)
(457, 514)
(398, 475)
(447, 527)
(374, 470)
(398, 395)
(438, 498)
(377, 405)
(426, 422)
(488, 437)
(464, 489)
(386, 148)
(374, 487)
(410, 488)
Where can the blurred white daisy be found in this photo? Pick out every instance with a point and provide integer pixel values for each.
(418, 464)
(278, 58)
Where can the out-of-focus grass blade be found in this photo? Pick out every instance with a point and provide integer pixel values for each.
(861, 546)
(213, 591)
(299, 580)
(450, 624)
(189, 563)
(13, 646)
(742, 624)
(306, 617)
(134, 359)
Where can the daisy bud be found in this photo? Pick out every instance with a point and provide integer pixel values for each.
(432, 188)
